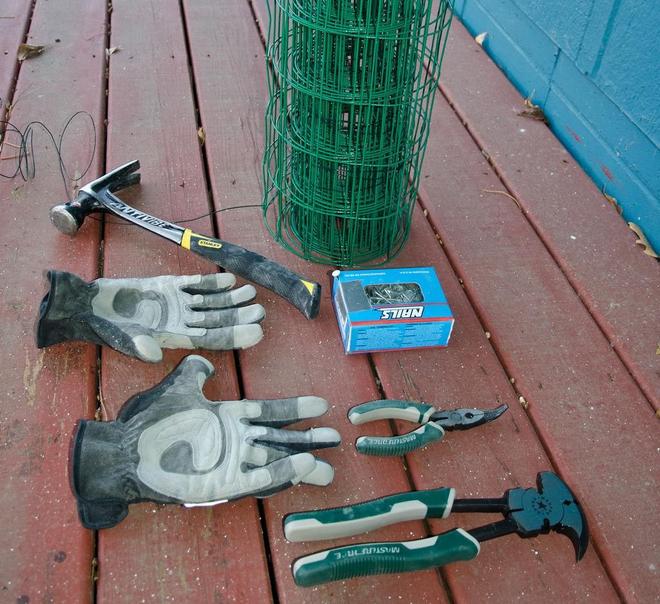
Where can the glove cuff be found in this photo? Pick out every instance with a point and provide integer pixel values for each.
(100, 474)
(64, 310)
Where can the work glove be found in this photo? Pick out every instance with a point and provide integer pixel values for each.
(140, 316)
(172, 445)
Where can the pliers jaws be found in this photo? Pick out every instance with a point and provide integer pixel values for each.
(464, 419)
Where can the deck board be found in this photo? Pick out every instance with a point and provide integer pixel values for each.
(486, 461)
(46, 554)
(591, 415)
(591, 243)
(14, 21)
(172, 553)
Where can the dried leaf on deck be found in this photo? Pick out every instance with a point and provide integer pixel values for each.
(614, 203)
(642, 241)
(532, 111)
(201, 135)
(27, 51)
(17, 192)
(111, 51)
(511, 197)
(479, 39)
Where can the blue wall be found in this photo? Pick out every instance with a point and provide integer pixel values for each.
(594, 68)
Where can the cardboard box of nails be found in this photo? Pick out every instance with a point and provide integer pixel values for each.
(391, 309)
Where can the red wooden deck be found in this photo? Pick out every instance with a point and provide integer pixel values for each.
(556, 308)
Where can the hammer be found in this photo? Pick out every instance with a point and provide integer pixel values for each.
(99, 196)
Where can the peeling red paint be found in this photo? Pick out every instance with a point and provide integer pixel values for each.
(575, 135)
(607, 172)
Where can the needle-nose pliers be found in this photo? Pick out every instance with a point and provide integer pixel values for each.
(434, 423)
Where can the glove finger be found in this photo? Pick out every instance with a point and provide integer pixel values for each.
(187, 380)
(132, 339)
(278, 475)
(294, 441)
(277, 413)
(227, 299)
(321, 476)
(244, 315)
(145, 346)
(257, 457)
(228, 338)
(205, 284)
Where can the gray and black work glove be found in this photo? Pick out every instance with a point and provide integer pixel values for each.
(140, 316)
(172, 445)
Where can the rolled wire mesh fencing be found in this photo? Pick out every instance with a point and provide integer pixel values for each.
(351, 89)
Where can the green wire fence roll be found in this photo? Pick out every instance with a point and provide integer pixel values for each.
(351, 89)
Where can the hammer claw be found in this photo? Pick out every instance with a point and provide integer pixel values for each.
(125, 182)
(573, 522)
(115, 180)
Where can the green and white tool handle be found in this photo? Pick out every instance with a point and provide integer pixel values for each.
(368, 516)
(385, 557)
(419, 413)
(383, 446)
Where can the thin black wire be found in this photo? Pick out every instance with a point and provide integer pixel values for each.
(26, 165)
(183, 220)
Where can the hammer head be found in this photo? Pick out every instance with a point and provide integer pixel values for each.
(69, 217)
(550, 507)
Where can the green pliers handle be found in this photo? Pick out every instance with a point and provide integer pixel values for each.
(400, 445)
(392, 409)
(368, 516)
(386, 557)
(419, 413)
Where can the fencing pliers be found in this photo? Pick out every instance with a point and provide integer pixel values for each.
(434, 421)
(527, 512)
